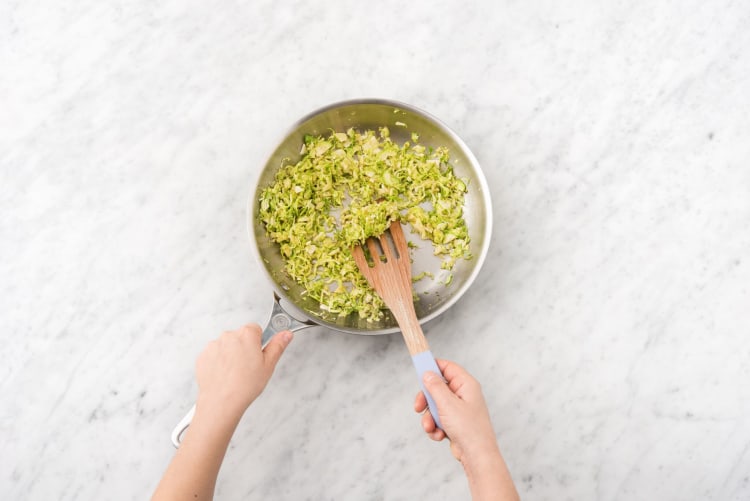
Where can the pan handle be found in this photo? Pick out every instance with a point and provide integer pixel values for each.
(279, 321)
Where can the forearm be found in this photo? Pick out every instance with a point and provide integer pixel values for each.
(193, 471)
(489, 478)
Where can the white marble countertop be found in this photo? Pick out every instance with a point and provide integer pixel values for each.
(610, 325)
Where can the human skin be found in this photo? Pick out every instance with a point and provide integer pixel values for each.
(231, 372)
(466, 423)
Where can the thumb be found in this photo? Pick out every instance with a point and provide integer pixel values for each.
(438, 389)
(275, 348)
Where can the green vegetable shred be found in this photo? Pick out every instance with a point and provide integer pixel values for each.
(348, 187)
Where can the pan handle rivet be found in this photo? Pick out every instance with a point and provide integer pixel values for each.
(280, 322)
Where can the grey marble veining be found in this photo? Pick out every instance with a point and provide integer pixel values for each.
(610, 326)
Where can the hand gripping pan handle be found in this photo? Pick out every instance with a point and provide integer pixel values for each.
(279, 321)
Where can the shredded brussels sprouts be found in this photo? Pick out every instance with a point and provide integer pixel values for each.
(348, 187)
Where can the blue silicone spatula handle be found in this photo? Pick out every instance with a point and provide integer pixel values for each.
(424, 362)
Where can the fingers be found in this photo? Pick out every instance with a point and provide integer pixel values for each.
(420, 402)
(456, 376)
(275, 348)
(451, 370)
(252, 332)
(432, 431)
(428, 423)
(437, 435)
(443, 396)
(444, 364)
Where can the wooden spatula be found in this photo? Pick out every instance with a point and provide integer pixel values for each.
(390, 276)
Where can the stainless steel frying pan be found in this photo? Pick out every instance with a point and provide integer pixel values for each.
(434, 296)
